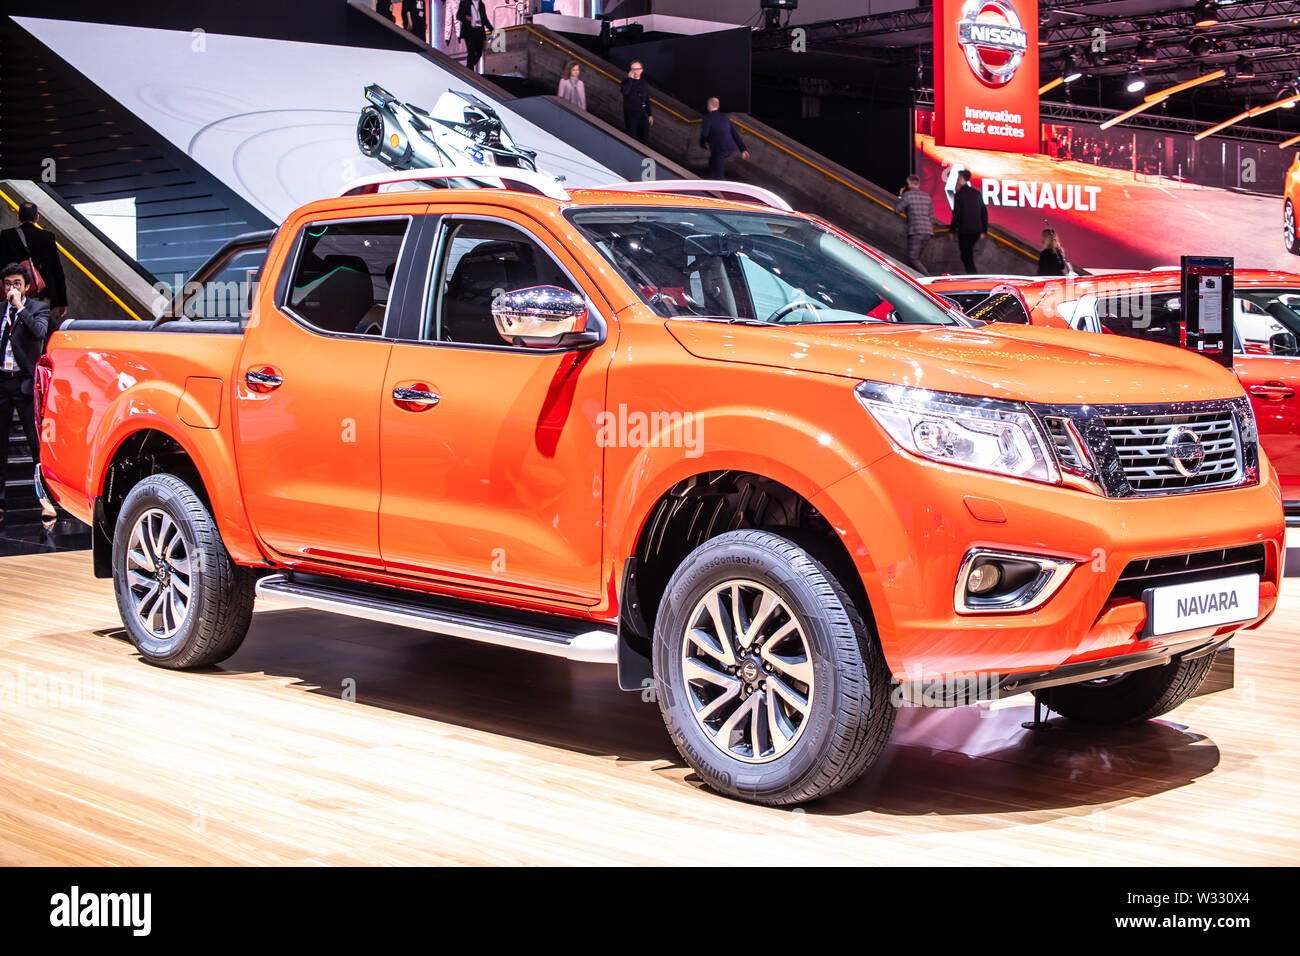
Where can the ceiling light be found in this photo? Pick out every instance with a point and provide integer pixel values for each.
(1245, 68)
(1135, 81)
(1146, 52)
(1205, 13)
(1199, 45)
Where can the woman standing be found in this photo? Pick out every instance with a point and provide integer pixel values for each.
(571, 87)
(1051, 261)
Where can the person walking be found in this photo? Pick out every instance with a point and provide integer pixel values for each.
(28, 242)
(571, 86)
(720, 135)
(23, 327)
(970, 219)
(636, 103)
(1051, 261)
(474, 28)
(915, 204)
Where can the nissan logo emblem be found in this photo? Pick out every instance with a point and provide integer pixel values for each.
(991, 36)
(1185, 451)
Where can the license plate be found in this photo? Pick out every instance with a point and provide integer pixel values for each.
(1185, 607)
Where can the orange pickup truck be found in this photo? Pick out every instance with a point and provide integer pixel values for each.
(717, 443)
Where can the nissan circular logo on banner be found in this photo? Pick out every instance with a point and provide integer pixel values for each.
(986, 74)
(993, 40)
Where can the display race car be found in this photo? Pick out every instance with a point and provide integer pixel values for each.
(461, 130)
(1146, 305)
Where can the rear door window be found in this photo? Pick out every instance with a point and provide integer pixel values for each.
(344, 274)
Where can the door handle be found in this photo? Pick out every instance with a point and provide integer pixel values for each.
(263, 379)
(415, 398)
(1274, 391)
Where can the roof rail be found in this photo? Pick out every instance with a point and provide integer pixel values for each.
(691, 186)
(538, 182)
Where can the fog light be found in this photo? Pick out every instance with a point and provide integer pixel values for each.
(983, 578)
(1000, 581)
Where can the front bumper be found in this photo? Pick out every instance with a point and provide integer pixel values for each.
(908, 524)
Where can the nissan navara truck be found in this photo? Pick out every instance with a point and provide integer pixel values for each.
(678, 429)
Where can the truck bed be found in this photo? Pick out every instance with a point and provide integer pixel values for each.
(110, 378)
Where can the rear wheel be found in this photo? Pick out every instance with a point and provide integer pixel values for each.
(184, 602)
(1131, 697)
(370, 132)
(1289, 232)
(770, 683)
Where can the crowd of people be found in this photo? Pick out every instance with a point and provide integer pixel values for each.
(718, 134)
(970, 221)
(414, 15)
(472, 23)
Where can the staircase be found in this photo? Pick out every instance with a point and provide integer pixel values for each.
(21, 506)
(810, 181)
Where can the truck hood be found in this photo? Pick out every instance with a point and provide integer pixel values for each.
(1022, 363)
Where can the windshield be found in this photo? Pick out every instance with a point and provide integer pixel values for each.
(753, 267)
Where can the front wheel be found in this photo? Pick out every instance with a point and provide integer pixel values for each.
(184, 602)
(1132, 697)
(1289, 231)
(770, 683)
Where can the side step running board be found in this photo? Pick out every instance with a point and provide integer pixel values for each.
(559, 637)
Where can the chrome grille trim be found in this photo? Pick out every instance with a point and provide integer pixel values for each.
(1139, 441)
(1124, 446)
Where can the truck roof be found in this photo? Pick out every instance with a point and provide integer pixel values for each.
(528, 190)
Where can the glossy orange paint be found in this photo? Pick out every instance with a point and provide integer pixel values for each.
(107, 386)
(531, 480)
(1273, 383)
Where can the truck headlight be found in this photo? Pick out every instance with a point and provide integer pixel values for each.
(987, 434)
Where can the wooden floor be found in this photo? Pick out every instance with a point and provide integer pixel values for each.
(460, 753)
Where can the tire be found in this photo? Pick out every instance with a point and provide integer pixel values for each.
(848, 715)
(1129, 698)
(162, 513)
(371, 132)
(1290, 229)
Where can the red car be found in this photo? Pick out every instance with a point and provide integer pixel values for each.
(1291, 189)
(1267, 311)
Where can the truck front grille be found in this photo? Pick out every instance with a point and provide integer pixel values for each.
(1133, 451)
(1141, 441)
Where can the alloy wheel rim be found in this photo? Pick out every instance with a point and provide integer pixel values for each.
(158, 573)
(748, 671)
(370, 132)
(1288, 225)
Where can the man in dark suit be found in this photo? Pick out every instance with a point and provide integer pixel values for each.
(636, 103)
(23, 326)
(27, 241)
(474, 28)
(970, 218)
(722, 138)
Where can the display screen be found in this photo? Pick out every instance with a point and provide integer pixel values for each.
(1124, 198)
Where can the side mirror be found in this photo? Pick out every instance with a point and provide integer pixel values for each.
(1283, 343)
(1001, 307)
(543, 316)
